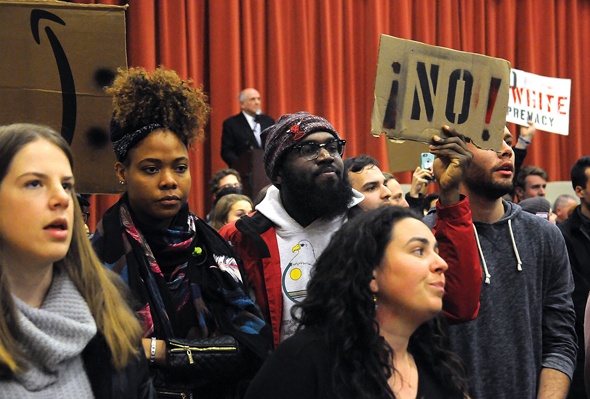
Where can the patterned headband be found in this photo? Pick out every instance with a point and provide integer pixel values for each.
(129, 140)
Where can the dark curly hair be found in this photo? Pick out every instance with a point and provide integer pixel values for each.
(340, 303)
(141, 98)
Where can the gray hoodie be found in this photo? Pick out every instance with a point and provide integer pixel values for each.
(526, 316)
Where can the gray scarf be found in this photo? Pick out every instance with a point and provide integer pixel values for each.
(53, 338)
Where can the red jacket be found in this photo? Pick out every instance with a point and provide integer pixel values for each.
(255, 241)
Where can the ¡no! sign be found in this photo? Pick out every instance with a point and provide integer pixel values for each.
(419, 88)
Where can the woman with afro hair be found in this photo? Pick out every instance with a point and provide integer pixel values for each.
(189, 288)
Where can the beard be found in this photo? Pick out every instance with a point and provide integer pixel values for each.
(482, 183)
(323, 202)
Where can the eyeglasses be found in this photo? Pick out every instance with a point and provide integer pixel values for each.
(311, 150)
(229, 185)
(85, 216)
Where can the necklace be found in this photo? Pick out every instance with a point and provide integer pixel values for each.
(409, 368)
(403, 381)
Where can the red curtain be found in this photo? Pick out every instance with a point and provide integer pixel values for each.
(320, 56)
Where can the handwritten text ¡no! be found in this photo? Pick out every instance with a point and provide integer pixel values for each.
(419, 88)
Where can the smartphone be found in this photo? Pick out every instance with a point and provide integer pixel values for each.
(426, 161)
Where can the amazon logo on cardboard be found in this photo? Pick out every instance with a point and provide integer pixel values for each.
(57, 59)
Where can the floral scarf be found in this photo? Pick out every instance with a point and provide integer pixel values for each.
(185, 279)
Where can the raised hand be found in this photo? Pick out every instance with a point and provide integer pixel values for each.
(452, 159)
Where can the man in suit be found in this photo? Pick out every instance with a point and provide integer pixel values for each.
(242, 131)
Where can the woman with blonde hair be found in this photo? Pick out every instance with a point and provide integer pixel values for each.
(203, 335)
(230, 207)
(65, 329)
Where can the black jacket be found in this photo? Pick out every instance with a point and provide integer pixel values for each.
(237, 136)
(133, 382)
(577, 240)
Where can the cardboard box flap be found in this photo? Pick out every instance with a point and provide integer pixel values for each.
(58, 59)
(419, 88)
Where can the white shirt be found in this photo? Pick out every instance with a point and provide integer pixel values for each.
(299, 248)
(255, 126)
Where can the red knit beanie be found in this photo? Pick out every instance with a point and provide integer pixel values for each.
(287, 132)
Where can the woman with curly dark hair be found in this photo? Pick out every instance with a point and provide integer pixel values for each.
(202, 334)
(371, 324)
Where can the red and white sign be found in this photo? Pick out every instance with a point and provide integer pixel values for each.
(540, 99)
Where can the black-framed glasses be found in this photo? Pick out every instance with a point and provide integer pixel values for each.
(310, 150)
(85, 216)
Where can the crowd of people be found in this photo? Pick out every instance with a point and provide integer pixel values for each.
(330, 283)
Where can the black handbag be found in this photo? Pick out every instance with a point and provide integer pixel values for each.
(207, 358)
(174, 394)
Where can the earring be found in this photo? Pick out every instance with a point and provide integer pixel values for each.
(121, 182)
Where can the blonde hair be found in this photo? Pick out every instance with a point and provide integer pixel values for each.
(99, 286)
(223, 207)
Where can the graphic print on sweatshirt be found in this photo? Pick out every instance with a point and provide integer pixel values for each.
(296, 274)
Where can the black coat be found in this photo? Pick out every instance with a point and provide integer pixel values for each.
(133, 382)
(577, 239)
(237, 136)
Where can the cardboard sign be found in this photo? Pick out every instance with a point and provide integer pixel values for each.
(542, 100)
(404, 155)
(56, 59)
(419, 88)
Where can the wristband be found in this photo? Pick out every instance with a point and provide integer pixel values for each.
(153, 351)
(525, 141)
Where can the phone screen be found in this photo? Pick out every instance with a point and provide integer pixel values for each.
(426, 161)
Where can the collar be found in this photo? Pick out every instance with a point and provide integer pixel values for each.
(249, 118)
(272, 207)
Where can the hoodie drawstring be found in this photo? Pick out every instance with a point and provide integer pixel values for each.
(483, 259)
(519, 265)
(485, 265)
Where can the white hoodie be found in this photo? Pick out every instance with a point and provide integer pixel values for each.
(299, 247)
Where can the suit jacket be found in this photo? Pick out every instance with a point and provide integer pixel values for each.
(237, 136)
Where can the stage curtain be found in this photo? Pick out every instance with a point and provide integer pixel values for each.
(320, 56)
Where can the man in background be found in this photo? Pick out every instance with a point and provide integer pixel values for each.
(531, 181)
(576, 231)
(562, 205)
(397, 192)
(241, 132)
(366, 177)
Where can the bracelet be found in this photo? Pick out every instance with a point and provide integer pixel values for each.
(525, 141)
(153, 351)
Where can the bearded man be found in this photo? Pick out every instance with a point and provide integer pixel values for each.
(522, 343)
(308, 202)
